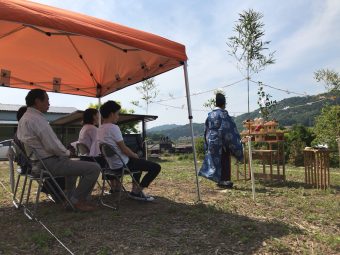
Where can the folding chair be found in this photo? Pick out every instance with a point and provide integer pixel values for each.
(40, 174)
(83, 153)
(11, 158)
(109, 151)
(23, 170)
(82, 150)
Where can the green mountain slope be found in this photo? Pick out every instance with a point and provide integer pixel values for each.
(288, 112)
(296, 110)
(162, 127)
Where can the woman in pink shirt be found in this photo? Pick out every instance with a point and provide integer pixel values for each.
(88, 133)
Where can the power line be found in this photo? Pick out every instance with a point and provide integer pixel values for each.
(283, 90)
(231, 84)
(199, 93)
(179, 107)
(228, 85)
(196, 110)
(208, 110)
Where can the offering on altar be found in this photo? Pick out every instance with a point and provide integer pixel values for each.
(262, 131)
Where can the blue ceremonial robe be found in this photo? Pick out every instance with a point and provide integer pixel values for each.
(220, 134)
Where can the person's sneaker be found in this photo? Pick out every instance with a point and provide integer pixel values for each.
(141, 196)
(225, 184)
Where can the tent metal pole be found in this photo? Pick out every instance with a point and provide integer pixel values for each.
(251, 167)
(145, 141)
(100, 116)
(191, 126)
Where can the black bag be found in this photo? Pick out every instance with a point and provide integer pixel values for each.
(50, 188)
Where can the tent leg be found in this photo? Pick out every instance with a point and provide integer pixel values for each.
(191, 126)
(100, 116)
(145, 142)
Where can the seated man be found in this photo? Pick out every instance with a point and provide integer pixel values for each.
(35, 131)
(110, 133)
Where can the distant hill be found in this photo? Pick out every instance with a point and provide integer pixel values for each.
(296, 110)
(162, 128)
(289, 111)
(177, 132)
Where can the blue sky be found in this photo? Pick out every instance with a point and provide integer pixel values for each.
(304, 34)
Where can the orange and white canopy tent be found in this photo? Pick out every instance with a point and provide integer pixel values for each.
(71, 53)
(67, 52)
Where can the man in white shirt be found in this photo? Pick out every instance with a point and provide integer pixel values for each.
(110, 133)
(35, 131)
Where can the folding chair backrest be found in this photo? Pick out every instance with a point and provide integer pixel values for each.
(82, 149)
(21, 157)
(109, 151)
(34, 159)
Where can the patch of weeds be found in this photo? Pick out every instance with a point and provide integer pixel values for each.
(278, 213)
(243, 232)
(172, 210)
(249, 226)
(331, 240)
(104, 251)
(312, 217)
(67, 232)
(41, 240)
(154, 231)
(244, 238)
(115, 214)
(279, 247)
(183, 157)
(330, 191)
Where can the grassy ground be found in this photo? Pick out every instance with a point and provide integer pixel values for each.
(287, 218)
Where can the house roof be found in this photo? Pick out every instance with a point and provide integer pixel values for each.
(75, 118)
(52, 109)
(8, 122)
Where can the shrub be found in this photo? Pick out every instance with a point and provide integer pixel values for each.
(199, 145)
(297, 139)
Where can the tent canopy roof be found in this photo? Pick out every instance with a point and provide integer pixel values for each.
(75, 118)
(67, 52)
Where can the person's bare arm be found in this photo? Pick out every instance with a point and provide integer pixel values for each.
(126, 150)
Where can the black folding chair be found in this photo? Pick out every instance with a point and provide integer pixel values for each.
(109, 151)
(23, 170)
(41, 174)
(82, 150)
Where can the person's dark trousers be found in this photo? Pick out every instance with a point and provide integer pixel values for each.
(152, 169)
(99, 159)
(226, 166)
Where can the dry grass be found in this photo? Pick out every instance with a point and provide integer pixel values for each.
(287, 218)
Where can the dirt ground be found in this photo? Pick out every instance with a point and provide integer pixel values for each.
(286, 218)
